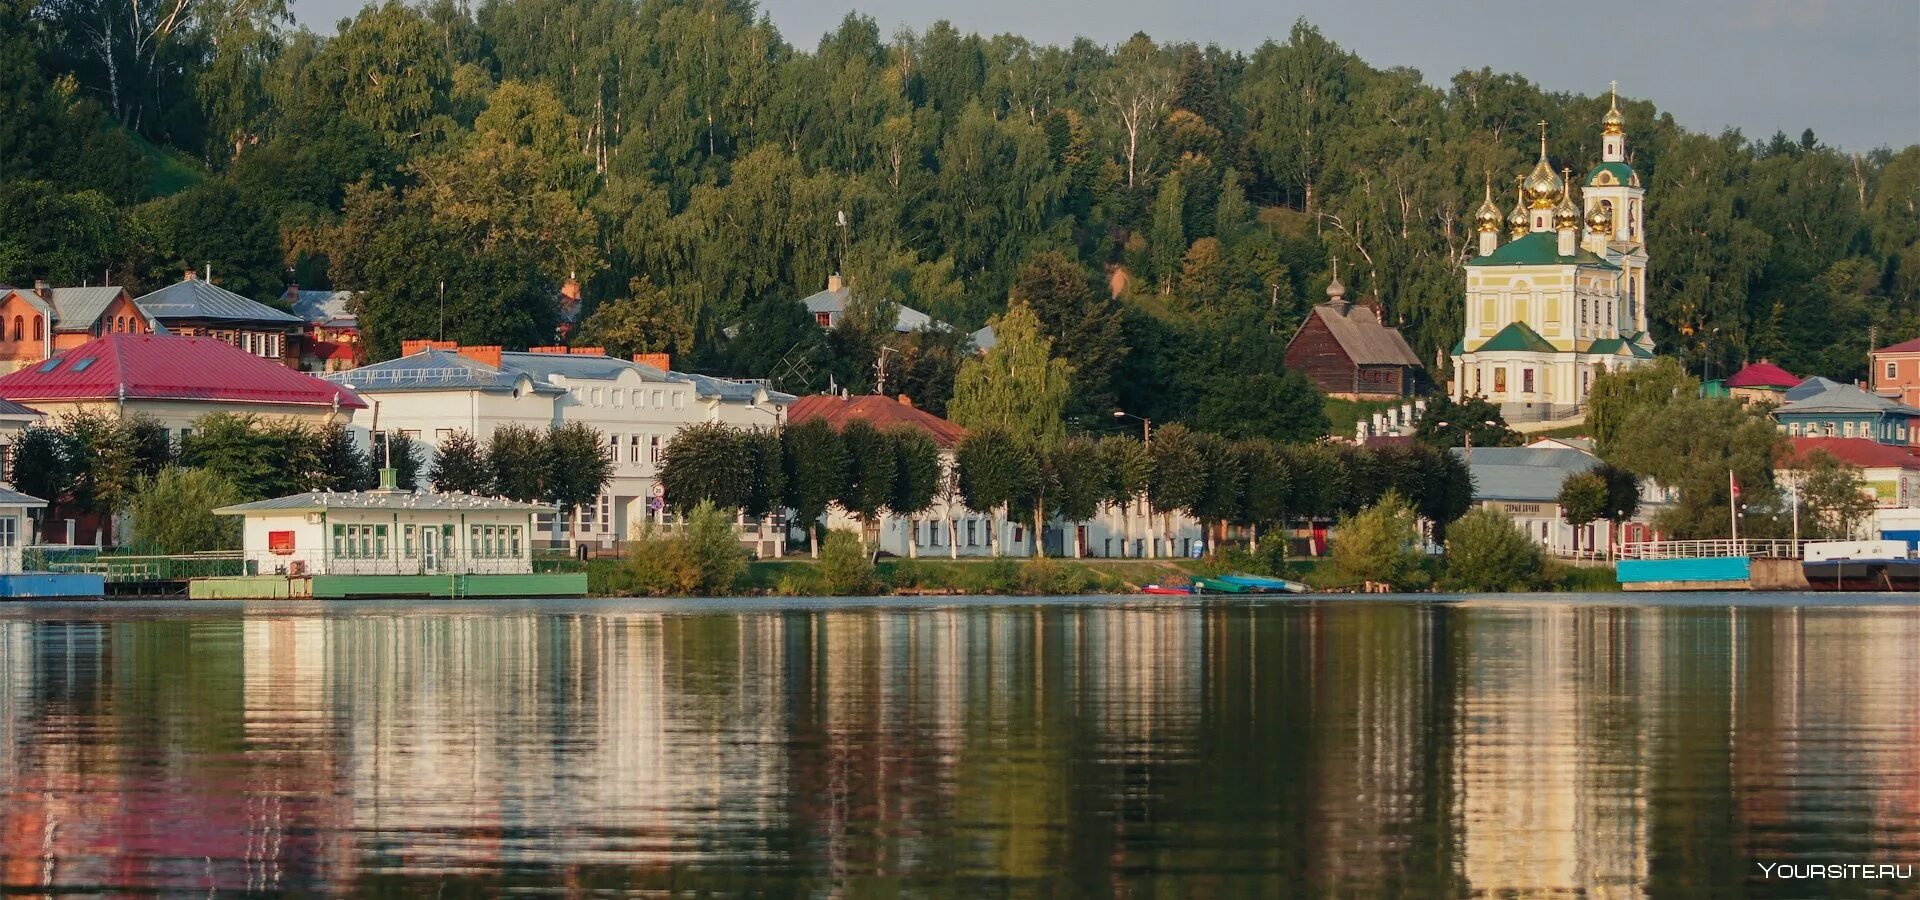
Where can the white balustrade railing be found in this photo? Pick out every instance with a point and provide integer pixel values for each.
(268, 563)
(1764, 548)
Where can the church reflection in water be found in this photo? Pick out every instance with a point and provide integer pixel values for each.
(1370, 748)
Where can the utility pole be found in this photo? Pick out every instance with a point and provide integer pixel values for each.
(443, 310)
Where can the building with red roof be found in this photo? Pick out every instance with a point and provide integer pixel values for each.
(1762, 381)
(1892, 472)
(174, 380)
(1895, 373)
(881, 412)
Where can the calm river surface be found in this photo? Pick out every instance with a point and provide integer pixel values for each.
(1504, 747)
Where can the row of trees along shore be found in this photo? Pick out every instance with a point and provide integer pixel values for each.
(94, 464)
(1180, 204)
(867, 472)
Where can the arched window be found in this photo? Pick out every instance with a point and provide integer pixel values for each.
(19, 328)
(39, 329)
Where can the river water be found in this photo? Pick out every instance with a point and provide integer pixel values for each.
(991, 747)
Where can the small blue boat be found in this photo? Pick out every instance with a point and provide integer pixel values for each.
(1268, 585)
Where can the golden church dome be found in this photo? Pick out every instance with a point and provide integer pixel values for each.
(1614, 122)
(1600, 219)
(1542, 186)
(1487, 218)
(1565, 214)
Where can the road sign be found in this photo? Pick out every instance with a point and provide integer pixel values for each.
(658, 490)
(657, 504)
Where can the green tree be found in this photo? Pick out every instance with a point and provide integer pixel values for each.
(1620, 396)
(1179, 479)
(344, 466)
(815, 467)
(766, 474)
(172, 512)
(1720, 438)
(1487, 551)
(235, 448)
(916, 477)
(845, 566)
(1128, 465)
(715, 549)
(1584, 498)
(1447, 423)
(402, 454)
(707, 463)
(871, 466)
(102, 463)
(649, 320)
(576, 468)
(461, 466)
(1379, 544)
(42, 464)
(1282, 407)
(994, 470)
(1080, 484)
(1084, 324)
(1835, 501)
(518, 457)
(1018, 387)
(1168, 239)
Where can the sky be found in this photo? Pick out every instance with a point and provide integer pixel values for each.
(1848, 69)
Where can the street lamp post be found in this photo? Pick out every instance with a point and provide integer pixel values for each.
(1146, 424)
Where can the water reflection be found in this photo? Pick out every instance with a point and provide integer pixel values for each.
(1187, 749)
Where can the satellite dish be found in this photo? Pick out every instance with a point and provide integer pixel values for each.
(842, 215)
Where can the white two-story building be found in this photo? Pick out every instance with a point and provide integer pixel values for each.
(435, 389)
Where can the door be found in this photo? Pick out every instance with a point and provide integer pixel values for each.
(430, 550)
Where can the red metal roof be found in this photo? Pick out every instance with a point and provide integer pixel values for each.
(882, 412)
(1912, 346)
(1763, 374)
(169, 367)
(1862, 452)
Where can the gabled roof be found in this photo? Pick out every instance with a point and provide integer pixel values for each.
(198, 300)
(1763, 374)
(1360, 334)
(1523, 474)
(323, 307)
(169, 367)
(1865, 453)
(12, 410)
(397, 500)
(1818, 395)
(834, 301)
(73, 308)
(1541, 248)
(1516, 337)
(985, 339)
(1912, 346)
(880, 411)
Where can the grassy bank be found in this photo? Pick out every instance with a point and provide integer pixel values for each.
(801, 576)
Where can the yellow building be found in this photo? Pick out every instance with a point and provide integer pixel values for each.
(1565, 296)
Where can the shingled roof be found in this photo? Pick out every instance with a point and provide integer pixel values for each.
(1763, 374)
(1362, 337)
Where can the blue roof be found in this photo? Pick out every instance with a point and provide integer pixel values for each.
(1823, 396)
(1523, 474)
(204, 300)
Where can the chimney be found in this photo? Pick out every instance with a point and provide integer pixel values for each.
(486, 355)
(661, 361)
(587, 351)
(906, 401)
(570, 289)
(555, 349)
(189, 275)
(409, 348)
(835, 282)
(41, 287)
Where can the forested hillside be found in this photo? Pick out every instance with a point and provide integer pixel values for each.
(690, 166)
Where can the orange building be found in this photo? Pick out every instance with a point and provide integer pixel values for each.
(1896, 372)
(38, 322)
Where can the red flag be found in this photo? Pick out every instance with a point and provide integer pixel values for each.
(1734, 484)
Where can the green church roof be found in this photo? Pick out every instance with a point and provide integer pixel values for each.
(1541, 248)
(1622, 174)
(1516, 337)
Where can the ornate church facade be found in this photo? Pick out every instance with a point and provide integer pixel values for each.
(1565, 295)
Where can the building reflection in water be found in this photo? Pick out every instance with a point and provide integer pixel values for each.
(1485, 747)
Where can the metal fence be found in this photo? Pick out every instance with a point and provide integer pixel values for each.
(268, 563)
(1766, 548)
(119, 568)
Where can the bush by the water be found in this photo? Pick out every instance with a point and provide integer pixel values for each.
(1487, 551)
(1380, 544)
(172, 512)
(704, 559)
(845, 567)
